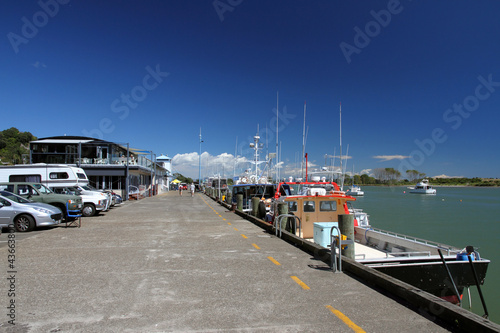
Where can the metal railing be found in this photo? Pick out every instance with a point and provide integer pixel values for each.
(337, 243)
(416, 240)
(277, 224)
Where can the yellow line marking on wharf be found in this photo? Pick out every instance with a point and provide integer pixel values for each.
(300, 283)
(274, 261)
(345, 319)
(244, 236)
(256, 246)
(235, 229)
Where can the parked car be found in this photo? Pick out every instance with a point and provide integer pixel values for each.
(70, 205)
(93, 203)
(25, 214)
(116, 199)
(87, 189)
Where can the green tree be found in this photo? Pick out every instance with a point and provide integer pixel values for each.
(13, 145)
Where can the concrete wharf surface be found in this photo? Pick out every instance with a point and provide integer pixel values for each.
(182, 264)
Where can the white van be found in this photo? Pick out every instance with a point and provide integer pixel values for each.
(47, 174)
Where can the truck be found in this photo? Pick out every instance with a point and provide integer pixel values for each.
(67, 203)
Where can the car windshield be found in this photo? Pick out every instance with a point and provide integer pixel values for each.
(88, 188)
(13, 197)
(42, 188)
(74, 190)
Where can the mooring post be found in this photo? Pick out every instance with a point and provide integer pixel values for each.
(282, 210)
(255, 206)
(346, 226)
(239, 201)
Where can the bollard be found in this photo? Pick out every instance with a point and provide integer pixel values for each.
(346, 226)
(255, 206)
(282, 210)
(239, 201)
(261, 212)
(229, 197)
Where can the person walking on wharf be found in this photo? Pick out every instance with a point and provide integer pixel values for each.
(180, 190)
(192, 189)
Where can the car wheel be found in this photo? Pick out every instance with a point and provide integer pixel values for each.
(24, 223)
(88, 210)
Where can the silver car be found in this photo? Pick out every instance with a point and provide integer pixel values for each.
(26, 215)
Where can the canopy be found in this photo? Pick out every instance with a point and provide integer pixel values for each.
(176, 181)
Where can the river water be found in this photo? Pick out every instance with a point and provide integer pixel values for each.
(457, 216)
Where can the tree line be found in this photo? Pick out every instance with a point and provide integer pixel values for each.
(391, 176)
(14, 146)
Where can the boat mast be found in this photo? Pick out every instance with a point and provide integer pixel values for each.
(303, 144)
(341, 169)
(277, 156)
(235, 158)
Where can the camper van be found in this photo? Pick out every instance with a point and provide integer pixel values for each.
(47, 174)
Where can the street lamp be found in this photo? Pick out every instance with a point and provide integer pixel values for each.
(199, 161)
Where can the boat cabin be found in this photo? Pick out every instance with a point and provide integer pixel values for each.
(317, 202)
(263, 191)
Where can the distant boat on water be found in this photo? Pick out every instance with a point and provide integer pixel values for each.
(355, 190)
(423, 187)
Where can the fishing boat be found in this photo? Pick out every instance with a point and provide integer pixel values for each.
(423, 187)
(316, 207)
(255, 184)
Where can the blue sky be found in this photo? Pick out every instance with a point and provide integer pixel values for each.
(419, 81)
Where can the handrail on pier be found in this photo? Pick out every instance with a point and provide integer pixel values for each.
(337, 243)
(277, 224)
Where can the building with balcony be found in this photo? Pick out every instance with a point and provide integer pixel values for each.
(108, 165)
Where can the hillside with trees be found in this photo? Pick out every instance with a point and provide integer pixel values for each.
(14, 146)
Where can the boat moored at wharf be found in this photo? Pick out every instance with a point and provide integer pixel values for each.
(426, 265)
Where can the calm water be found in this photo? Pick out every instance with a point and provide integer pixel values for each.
(457, 216)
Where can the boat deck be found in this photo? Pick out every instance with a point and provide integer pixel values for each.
(364, 252)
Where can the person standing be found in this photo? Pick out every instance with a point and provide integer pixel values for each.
(192, 189)
(180, 190)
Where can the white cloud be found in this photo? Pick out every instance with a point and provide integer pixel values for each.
(385, 158)
(365, 171)
(39, 64)
(188, 164)
(445, 176)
